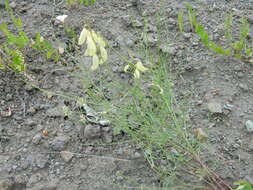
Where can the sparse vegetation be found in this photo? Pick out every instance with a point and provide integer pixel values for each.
(241, 48)
(243, 185)
(139, 102)
(12, 50)
(84, 2)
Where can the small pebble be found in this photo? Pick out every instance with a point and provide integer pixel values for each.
(13, 5)
(67, 156)
(37, 138)
(187, 35)
(249, 125)
(244, 87)
(104, 122)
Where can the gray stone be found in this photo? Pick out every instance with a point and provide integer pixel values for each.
(35, 178)
(238, 68)
(67, 128)
(214, 107)
(124, 41)
(59, 143)
(108, 137)
(244, 87)
(129, 42)
(126, 20)
(52, 185)
(13, 5)
(37, 138)
(66, 155)
(41, 160)
(104, 122)
(240, 74)
(187, 35)
(91, 132)
(249, 125)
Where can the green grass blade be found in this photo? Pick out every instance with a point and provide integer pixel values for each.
(180, 21)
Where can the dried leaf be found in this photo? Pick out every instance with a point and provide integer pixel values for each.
(200, 134)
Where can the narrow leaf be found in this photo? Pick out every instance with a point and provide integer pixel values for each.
(219, 49)
(180, 21)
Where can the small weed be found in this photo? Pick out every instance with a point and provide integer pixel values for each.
(42, 45)
(12, 50)
(241, 48)
(242, 185)
(84, 2)
(180, 21)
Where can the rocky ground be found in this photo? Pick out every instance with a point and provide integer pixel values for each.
(40, 148)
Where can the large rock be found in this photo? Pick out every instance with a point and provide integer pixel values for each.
(91, 132)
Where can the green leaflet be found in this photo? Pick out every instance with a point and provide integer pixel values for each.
(228, 26)
(84, 2)
(202, 34)
(180, 21)
(219, 49)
